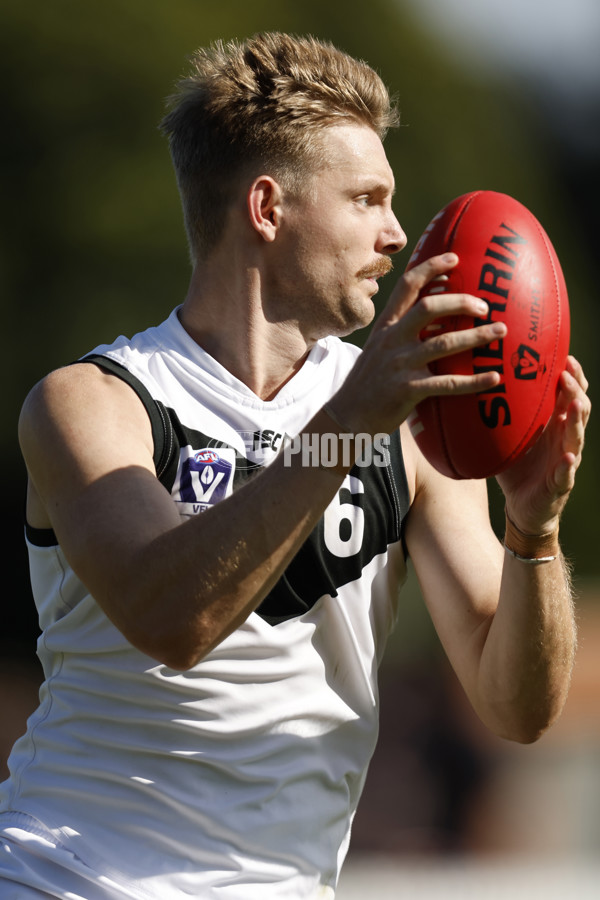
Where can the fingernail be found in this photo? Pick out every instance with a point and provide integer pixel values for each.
(450, 257)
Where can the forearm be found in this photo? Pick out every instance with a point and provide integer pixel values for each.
(192, 585)
(528, 652)
(527, 659)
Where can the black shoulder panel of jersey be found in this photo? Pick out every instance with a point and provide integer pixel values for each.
(165, 449)
(165, 455)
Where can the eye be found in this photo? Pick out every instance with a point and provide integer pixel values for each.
(363, 200)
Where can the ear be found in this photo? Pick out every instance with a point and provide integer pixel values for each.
(264, 206)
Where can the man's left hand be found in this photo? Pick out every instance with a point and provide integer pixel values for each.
(538, 485)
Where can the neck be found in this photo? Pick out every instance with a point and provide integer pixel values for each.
(226, 317)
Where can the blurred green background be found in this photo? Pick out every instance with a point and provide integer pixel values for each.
(92, 241)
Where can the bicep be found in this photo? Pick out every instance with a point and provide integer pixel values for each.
(87, 443)
(458, 563)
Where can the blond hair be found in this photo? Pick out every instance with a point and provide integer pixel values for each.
(258, 107)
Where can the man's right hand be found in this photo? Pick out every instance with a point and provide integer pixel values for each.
(392, 374)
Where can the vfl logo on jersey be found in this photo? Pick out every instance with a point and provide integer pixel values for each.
(205, 477)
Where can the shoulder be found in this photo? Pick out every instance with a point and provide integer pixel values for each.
(79, 422)
(79, 393)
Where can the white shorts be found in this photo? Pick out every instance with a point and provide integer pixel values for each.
(36, 868)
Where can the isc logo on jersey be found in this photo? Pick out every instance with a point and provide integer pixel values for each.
(205, 477)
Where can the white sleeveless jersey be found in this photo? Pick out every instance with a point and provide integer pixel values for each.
(240, 777)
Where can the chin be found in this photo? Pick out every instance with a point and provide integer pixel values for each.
(362, 313)
(355, 320)
(351, 315)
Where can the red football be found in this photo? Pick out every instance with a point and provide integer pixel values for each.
(506, 258)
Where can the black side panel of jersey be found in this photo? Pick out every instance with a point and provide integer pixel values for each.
(316, 570)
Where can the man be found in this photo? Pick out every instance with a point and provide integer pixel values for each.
(214, 593)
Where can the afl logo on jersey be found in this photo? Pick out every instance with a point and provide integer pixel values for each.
(207, 457)
(205, 477)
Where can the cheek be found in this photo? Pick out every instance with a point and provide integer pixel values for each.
(325, 255)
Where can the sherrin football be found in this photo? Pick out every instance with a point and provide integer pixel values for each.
(507, 259)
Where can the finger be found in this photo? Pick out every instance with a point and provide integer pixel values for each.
(428, 385)
(449, 343)
(574, 433)
(425, 318)
(412, 282)
(571, 389)
(564, 474)
(573, 366)
(425, 314)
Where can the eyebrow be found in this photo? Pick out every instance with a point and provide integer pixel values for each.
(376, 184)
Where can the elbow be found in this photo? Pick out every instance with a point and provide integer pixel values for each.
(525, 733)
(180, 659)
(528, 723)
(178, 647)
(182, 645)
(177, 654)
(178, 664)
(522, 710)
(177, 636)
(178, 650)
(538, 724)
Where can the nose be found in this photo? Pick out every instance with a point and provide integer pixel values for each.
(393, 238)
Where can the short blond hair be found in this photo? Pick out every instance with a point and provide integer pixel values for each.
(260, 105)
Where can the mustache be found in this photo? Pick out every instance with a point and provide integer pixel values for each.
(377, 269)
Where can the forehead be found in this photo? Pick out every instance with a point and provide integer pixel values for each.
(354, 153)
